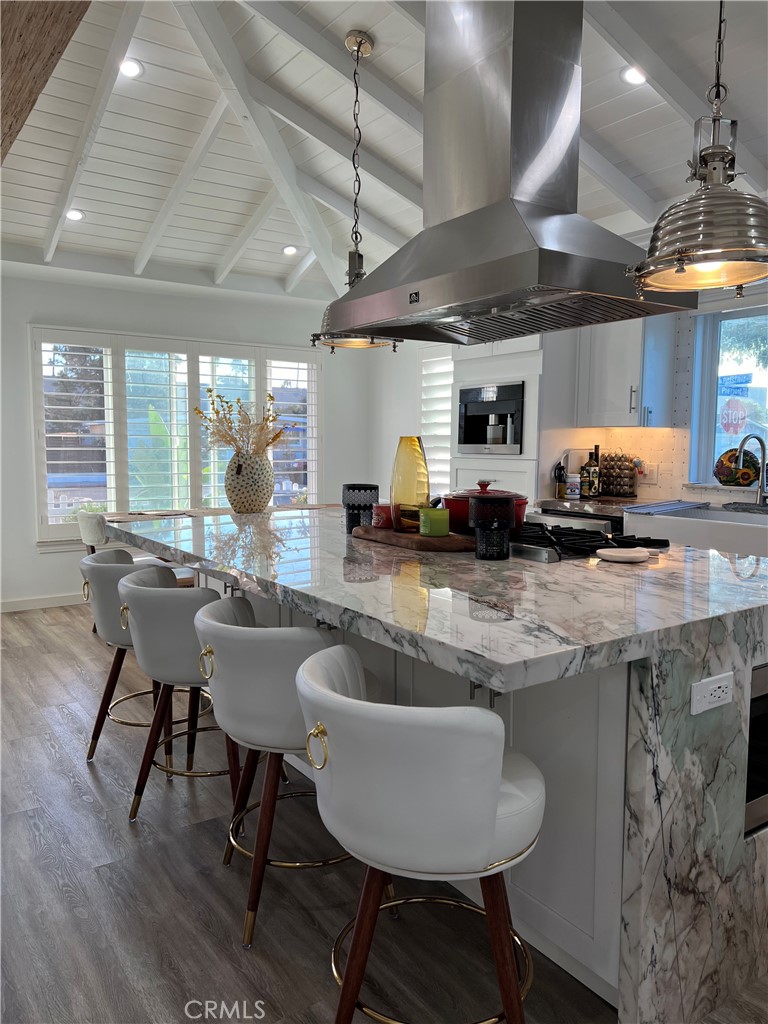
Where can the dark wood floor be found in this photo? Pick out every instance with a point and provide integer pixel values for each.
(112, 923)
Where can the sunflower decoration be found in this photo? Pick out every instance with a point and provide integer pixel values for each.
(728, 473)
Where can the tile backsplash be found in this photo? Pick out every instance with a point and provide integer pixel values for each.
(666, 447)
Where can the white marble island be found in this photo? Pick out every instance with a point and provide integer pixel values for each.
(643, 883)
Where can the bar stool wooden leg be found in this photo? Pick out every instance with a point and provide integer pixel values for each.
(233, 763)
(192, 716)
(261, 850)
(499, 919)
(106, 700)
(155, 692)
(168, 734)
(362, 937)
(243, 794)
(159, 720)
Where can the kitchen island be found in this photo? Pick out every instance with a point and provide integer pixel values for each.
(643, 883)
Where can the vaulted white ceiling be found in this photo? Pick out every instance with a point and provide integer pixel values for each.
(236, 139)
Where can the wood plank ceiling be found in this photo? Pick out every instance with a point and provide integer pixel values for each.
(166, 173)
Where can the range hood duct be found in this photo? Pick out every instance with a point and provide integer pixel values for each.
(503, 252)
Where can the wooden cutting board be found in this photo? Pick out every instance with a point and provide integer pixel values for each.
(414, 541)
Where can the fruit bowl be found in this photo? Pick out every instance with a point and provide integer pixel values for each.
(727, 473)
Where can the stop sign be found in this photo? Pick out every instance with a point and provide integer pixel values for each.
(733, 416)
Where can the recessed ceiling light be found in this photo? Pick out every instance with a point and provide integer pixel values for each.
(632, 76)
(131, 68)
(289, 250)
(75, 214)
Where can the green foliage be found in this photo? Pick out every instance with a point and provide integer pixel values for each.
(745, 339)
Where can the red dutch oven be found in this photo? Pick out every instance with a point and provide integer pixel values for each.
(458, 505)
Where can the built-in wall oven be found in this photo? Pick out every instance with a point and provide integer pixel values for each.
(757, 762)
(490, 419)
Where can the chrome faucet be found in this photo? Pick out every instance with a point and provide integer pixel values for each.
(762, 498)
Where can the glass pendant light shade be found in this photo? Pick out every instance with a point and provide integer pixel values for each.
(716, 238)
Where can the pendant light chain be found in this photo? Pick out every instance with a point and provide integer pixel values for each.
(718, 91)
(358, 138)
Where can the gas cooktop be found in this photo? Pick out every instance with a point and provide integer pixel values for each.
(540, 543)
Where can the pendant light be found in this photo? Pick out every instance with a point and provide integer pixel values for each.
(359, 44)
(718, 237)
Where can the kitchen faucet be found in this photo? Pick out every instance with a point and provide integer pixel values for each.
(762, 498)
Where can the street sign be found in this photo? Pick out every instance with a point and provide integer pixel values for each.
(731, 389)
(734, 378)
(733, 416)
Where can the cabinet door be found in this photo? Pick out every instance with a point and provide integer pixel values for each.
(657, 394)
(610, 374)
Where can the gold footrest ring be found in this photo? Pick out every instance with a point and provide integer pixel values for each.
(179, 771)
(238, 819)
(445, 901)
(206, 706)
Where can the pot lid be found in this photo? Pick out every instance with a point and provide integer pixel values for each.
(483, 488)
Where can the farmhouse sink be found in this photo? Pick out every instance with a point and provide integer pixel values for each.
(738, 527)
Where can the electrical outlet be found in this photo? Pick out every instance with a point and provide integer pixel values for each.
(649, 473)
(711, 693)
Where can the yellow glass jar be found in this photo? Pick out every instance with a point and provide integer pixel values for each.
(410, 485)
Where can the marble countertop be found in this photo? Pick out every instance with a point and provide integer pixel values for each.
(505, 625)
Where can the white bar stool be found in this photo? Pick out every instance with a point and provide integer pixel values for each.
(424, 793)
(101, 573)
(161, 616)
(93, 533)
(250, 671)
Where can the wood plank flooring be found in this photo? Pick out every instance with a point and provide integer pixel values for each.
(113, 923)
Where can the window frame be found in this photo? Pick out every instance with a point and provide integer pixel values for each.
(117, 343)
(704, 405)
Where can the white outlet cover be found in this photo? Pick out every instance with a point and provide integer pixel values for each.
(711, 693)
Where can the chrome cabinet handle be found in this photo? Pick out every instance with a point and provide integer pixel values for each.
(632, 395)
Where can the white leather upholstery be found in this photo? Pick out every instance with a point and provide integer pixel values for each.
(103, 571)
(254, 668)
(421, 792)
(92, 528)
(161, 619)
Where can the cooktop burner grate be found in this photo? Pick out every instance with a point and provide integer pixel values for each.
(569, 542)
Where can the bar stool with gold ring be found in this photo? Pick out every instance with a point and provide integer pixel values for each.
(161, 619)
(101, 572)
(454, 804)
(252, 672)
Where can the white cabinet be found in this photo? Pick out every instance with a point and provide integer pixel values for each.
(508, 347)
(510, 474)
(625, 373)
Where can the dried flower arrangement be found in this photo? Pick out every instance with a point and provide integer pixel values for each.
(234, 425)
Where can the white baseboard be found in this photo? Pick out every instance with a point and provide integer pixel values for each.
(26, 604)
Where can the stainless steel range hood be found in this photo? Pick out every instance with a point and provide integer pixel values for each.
(503, 252)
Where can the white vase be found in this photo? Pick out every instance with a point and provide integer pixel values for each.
(249, 482)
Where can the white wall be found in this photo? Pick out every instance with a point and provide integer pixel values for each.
(395, 406)
(29, 574)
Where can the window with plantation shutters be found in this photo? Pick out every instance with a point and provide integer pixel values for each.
(233, 377)
(75, 425)
(116, 426)
(157, 429)
(436, 408)
(294, 458)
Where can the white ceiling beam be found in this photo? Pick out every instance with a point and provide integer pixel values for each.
(335, 55)
(212, 38)
(617, 182)
(191, 166)
(254, 223)
(414, 10)
(318, 128)
(629, 41)
(295, 276)
(118, 48)
(329, 197)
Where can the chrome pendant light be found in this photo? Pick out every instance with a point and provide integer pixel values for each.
(359, 44)
(718, 237)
